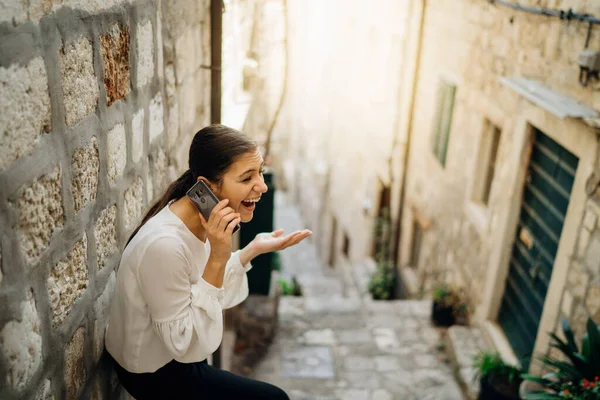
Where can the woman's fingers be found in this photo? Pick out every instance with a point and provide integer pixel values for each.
(277, 233)
(297, 237)
(225, 220)
(291, 239)
(218, 209)
(231, 226)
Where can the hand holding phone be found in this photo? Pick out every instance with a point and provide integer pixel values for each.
(204, 200)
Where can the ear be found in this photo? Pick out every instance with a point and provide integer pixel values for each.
(210, 185)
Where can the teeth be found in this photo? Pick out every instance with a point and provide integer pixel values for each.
(252, 201)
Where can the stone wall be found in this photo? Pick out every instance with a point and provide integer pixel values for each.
(334, 139)
(472, 44)
(100, 100)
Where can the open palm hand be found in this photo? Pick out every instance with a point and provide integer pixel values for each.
(274, 241)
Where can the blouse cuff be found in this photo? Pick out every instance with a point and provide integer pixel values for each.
(209, 289)
(236, 264)
(209, 298)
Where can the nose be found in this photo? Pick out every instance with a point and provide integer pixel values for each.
(261, 186)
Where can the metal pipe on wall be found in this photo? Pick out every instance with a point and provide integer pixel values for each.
(216, 48)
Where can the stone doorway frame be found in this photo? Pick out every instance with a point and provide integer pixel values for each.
(581, 140)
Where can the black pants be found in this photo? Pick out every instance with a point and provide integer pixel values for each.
(195, 381)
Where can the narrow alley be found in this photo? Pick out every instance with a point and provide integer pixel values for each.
(336, 343)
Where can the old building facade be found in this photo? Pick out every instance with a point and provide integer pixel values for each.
(100, 100)
(468, 120)
(502, 180)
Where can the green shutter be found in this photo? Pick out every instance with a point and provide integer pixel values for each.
(443, 120)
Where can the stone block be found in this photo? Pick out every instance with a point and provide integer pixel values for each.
(149, 186)
(145, 54)
(567, 303)
(592, 302)
(13, 11)
(385, 338)
(105, 233)
(41, 214)
(583, 242)
(173, 127)
(134, 203)
(386, 363)
(359, 363)
(189, 56)
(45, 392)
(68, 281)
(137, 139)
(381, 394)
(318, 337)
(114, 46)
(75, 372)
(351, 336)
(80, 88)
(159, 40)
(354, 394)
(160, 165)
(85, 169)
(117, 153)
(592, 256)
(187, 113)
(101, 310)
(577, 279)
(21, 344)
(156, 112)
(25, 105)
(1, 267)
(308, 362)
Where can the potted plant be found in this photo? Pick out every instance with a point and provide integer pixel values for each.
(446, 304)
(498, 380)
(576, 375)
(383, 283)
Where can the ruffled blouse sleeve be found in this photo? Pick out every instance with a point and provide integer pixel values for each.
(235, 281)
(183, 314)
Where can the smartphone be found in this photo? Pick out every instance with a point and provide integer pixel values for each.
(205, 200)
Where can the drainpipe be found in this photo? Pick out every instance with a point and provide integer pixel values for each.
(411, 112)
(216, 44)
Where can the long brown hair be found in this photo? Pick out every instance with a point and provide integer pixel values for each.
(213, 150)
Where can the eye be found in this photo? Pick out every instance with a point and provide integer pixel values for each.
(262, 171)
(248, 179)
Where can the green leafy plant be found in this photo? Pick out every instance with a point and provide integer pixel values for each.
(292, 288)
(445, 296)
(382, 284)
(487, 364)
(578, 375)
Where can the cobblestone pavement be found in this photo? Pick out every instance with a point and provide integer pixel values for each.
(336, 343)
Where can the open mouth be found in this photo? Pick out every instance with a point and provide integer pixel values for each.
(250, 204)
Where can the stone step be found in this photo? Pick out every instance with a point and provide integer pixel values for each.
(463, 343)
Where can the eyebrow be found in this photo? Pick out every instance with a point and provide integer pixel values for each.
(252, 169)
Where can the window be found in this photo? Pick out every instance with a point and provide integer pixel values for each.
(346, 248)
(486, 166)
(417, 239)
(333, 247)
(443, 120)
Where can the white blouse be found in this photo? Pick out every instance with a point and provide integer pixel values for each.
(162, 309)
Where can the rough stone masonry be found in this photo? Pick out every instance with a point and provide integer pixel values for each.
(97, 113)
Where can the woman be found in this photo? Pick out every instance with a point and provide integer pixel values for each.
(177, 274)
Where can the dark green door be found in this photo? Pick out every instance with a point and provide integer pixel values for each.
(545, 200)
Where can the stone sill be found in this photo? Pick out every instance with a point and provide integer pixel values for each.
(494, 336)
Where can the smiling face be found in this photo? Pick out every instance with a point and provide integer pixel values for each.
(243, 184)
